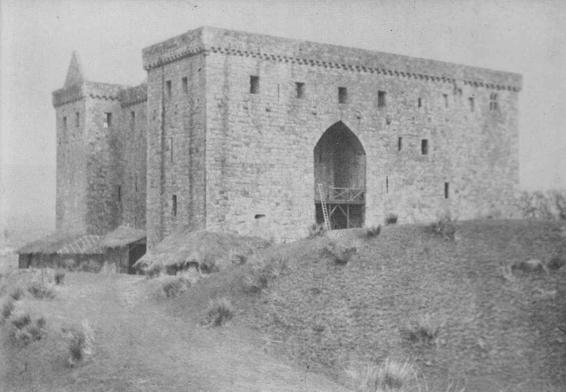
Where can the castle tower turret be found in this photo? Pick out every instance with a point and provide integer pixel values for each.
(88, 153)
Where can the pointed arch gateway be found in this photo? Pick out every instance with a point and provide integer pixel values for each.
(340, 168)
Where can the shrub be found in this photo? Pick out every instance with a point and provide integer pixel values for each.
(81, 343)
(41, 290)
(532, 265)
(444, 227)
(391, 219)
(154, 270)
(373, 231)
(173, 287)
(17, 293)
(259, 278)
(219, 312)
(316, 230)
(20, 322)
(59, 277)
(7, 309)
(424, 330)
(339, 253)
(556, 263)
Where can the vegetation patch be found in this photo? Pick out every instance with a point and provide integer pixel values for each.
(17, 293)
(391, 219)
(373, 231)
(174, 286)
(24, 331)
(41, 290)
(531, 265)
(339, 253)
(59, 277)
(444, 227)
(316, 230)
(260, 277)
(389, 375)
(81, 343)
(219, 312)
(7, 309)
(424, 329)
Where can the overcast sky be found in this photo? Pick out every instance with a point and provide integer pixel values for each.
(37, 38)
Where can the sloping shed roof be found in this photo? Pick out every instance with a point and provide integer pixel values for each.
(122, 236)
(63, 243)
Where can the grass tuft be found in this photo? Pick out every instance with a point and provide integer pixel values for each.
(25, 332)
(444, 227)
(373, 231)
(259, 278)
(175, 286)
(316, 230)
(7, 309)
(81, 342)
(340, 254)
(219, 312)
(390, 375)
(391, 219)
(59, 277)
(424, 330)
(17, 293)
(41, 290)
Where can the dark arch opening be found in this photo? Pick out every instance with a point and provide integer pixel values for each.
(340, 167)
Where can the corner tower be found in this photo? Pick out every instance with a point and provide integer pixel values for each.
(88, 154)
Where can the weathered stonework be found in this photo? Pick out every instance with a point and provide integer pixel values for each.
(221, 154)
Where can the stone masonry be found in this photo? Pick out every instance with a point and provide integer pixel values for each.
(226, 133)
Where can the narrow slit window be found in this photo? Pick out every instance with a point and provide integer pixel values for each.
(446, 190)
(445, 100)
(171, 146)
(107, 120)
(386, 184)
(132, 120)
(424, 146)
(300, 89)
(399, 143)
(185, 83)
(119, 193)
(136, 183)
(77, 119)
(493, 106)
(254, 84)
(472, 104)
(168, 89)
(174, 205)
(342, 95)
(65, 123)
(419, 103)
(381, 99)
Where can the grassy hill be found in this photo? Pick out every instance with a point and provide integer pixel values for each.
(309, 313)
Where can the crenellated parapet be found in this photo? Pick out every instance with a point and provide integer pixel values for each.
(133, 95)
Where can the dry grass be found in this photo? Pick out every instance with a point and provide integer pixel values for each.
(425, 329)
(59, 277)
(7, 309)
(173, 286)
(391, 219)
(390, 375)
(41, 290)
(23, 331)
(219, 312)
(17, 293)
(339, 253)
(81, 343)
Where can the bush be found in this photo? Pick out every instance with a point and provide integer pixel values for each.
(20, 322)
(7, 309)
(154, 270)
(444, 227)
(373, 231)
(173, 287)
(532, 265)
(259, 278)
(543, 205)
(17, 293)
(339, 253)
(391, 219)
(219, 312)
(41, 290)
(59, 277)
(81, 343)
(556, 263)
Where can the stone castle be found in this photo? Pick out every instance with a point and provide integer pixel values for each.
(235, 131)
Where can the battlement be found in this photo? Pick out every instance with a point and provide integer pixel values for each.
(133, 95)
(270, 48)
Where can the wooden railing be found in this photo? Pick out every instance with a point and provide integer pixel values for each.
(334, 194)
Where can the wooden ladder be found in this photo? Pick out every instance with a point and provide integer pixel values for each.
(324, 206)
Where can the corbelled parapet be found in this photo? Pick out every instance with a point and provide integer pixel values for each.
(269, 48)
(133, 95)
(81, 90)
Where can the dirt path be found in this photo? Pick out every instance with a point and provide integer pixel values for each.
(139, 347)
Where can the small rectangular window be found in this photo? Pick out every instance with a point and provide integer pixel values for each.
(174, 205)
(424, 146)
(168, 88)
(185, 82)
(132, 120)
(399, 143)
(77, 119)
(381, 99)
(493, 106)
(119, 193)
(171, 149)
(136, 183)
(419, 103)
(107, 120)
(342, 95)
(300, 89)
(386, 184)
(472, 104)
(65, 123)
(254, 84)
(445, 100)
(446, 190)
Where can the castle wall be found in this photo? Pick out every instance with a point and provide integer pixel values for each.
(104, 169)
(260, 146)
(71, 165)
(176, 147)
(133, 129)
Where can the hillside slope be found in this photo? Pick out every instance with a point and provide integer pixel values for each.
(497, 330)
